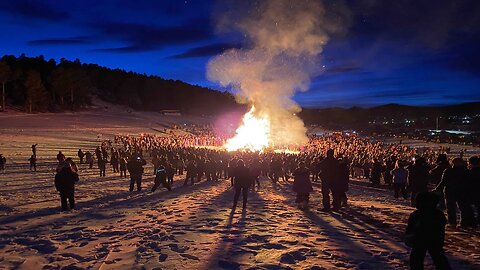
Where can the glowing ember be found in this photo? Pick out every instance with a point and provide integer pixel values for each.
(253, 134)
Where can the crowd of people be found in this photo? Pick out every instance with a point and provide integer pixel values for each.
(332, 160)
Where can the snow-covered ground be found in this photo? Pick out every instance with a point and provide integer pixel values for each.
(190, 227)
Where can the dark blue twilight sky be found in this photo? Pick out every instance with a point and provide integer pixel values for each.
(415, 52)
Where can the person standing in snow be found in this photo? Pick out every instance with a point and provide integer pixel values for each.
(65, 180)
(242, 180)
(3, 161)
(302, 185)
(330, 175)
(80, 155)
(33, 163)
(135, 168)
(400, 177)
(426, 232)
(34, 149)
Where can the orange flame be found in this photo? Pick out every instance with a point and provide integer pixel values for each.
(253, 134)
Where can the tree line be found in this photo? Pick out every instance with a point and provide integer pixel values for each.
(38, 85)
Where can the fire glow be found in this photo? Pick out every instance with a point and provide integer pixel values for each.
(253, 134)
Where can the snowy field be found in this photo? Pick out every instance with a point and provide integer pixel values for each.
(190, 227)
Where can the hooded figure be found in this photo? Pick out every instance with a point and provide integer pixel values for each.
(65, 180)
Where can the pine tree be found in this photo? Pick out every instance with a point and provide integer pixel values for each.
(37, 96)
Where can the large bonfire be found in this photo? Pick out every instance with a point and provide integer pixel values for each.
(253, 134)
(285, 41)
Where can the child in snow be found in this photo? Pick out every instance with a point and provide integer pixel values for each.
(426, 232)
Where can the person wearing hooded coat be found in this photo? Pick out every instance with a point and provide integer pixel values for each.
(65, 180)
(302, 185)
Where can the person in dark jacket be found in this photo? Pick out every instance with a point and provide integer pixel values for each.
(426, 232)
(191, 171)
(123, 167)
(161, 179)
(102, 164)
(474, 175)
(135, 169)
(441, 164)
(455, 185)
(377, 169)
(242, 180)
(33, 163)
(80, 155)
(302, 185)
(418, 175)
(330, 175)
(60, 157)
(65, 181)
(3, 161)
(114, 160)
(89, 159)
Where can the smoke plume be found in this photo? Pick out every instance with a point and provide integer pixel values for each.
(285, 40)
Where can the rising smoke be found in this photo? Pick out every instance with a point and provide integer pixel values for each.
(286, 39)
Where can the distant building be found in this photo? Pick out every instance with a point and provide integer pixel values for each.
(171, 112)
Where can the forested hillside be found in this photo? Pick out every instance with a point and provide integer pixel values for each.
(39, 85)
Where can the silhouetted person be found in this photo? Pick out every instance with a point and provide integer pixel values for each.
(161, 178)
(441, 164)
(191, 171)
(241, 182)
(418, 175)
(65, 181)
(34, 149)
(33, 163)
(3, 161)
(474, 175)
(135, 169)
(102, 165)
(329, 175)
(60, 157)
(114, 161)
(426, 232)
(376, 172)
(456, 186)
(400, 179)
(302, 185)
(123, 167)
(80, 155)
(170, 173)
(89, 159)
